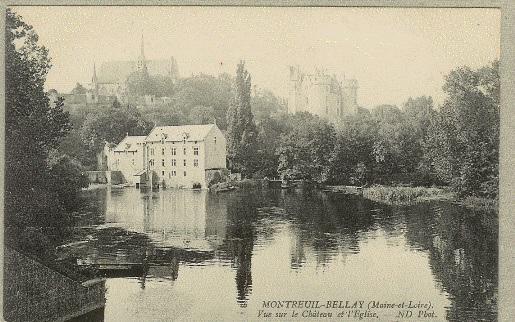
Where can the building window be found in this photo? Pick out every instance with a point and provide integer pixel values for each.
(195, 163)
(195, 151)
(163, 162)
(184, 150)
(215, 139)
(184, 173)
(163, 151)
(174, 173)
(174, 163)
(184, 141)
(174, 151)
(184, 162)
(163, 173)
(132, 161)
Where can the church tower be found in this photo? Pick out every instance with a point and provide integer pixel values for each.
(92, 93)
(142, 62)
(94, 79)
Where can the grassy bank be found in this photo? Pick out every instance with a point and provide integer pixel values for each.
(235, 184)
(399, 195)
(480, 203)
(405, 195)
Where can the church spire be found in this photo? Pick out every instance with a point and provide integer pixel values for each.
(94, 79)
(142, 62)
(142, 46)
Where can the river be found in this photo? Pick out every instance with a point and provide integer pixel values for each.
(288, 254)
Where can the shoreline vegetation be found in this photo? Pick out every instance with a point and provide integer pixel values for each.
(402, 195)
(391, 195)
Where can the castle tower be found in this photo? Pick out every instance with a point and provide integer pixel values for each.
(294, 95)
(350, 91)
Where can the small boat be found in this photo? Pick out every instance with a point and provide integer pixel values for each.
(285, 184)
(222, 187)
(225, 189)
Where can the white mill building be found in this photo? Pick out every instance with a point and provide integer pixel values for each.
(171, 156)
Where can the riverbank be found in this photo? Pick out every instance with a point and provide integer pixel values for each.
(235, 184)
(400, 195)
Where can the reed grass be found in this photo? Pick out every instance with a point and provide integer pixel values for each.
(480, 203)
(402, 195)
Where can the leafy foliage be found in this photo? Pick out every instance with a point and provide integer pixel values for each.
(111, 125)
(34, 129)
(462, 144)
(305, 149)
(353, 157)
(78, 89)
(214, 93)
(241, 131)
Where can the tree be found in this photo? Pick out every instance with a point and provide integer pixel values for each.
(140, 83)
(112, 125)
(164, 116)
(34, 128)
(270, 130)
(241, 131)
(265, 104)
(73, 146)
(305, 149)
(205, 90)
(353, 155)
(419, 114)
(116, 104)
(201, 115)
(78, 89)
(462, 144)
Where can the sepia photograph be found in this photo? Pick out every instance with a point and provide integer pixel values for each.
(251, 163)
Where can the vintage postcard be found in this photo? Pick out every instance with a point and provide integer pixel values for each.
(255, 163)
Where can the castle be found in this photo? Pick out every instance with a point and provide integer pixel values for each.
(322, 95)
(111, 80)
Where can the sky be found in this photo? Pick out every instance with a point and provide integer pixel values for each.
(394, 53)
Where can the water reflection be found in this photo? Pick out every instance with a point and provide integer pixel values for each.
(463, 257)
(265, 244)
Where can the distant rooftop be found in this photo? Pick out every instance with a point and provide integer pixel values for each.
(180, 132)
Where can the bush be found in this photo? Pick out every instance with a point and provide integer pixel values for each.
(402, 195)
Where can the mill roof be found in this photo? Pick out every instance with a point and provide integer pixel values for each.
(180, 132)
(129, 143)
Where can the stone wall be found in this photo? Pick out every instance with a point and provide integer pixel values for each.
(106, 177)
(35, 292)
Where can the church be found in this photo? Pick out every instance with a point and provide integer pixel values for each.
(111, 79)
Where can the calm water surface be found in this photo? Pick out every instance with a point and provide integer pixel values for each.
(219, 257)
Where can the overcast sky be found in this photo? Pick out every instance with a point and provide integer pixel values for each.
(393, 53)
